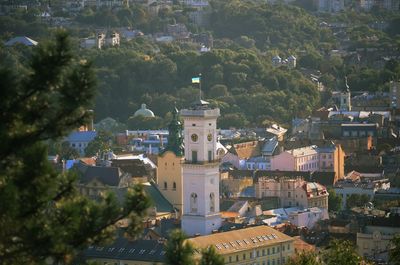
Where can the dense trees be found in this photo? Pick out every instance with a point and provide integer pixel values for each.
(44, 218)
(209, 256)
(357, 200)
(394, 252)
(338, 252)
(178, 251)
(334, 201)
(341, 252)
(304, 258)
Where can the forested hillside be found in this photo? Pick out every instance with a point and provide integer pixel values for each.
(237, 74)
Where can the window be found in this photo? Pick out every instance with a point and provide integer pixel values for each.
(165, 185)
(244, 256)
(194, 156)
(273, 250)
(230, 259)
(268, 251)
(289, 194)
(193, 203)
(288, 247)
(174, 186)
(263, 252)
(237, 257)
(210, 156)
(212, 202)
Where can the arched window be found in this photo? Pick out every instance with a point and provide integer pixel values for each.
(212, 202)
(193, 203)
(165, 185)
(174, 186)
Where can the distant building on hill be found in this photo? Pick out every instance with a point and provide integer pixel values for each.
(21, 40)
(291, 61)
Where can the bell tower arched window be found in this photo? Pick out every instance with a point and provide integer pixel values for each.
(212, 202)
(193, 203)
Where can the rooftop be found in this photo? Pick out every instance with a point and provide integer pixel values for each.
(308, 150)
(242, 239)
(85, 136)
(124, 249)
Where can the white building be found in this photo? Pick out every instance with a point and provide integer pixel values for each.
(80, 140)
(308, 217)
(201, 170)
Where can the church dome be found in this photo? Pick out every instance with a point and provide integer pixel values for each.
(144, 112)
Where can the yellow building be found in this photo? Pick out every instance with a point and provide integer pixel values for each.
(169, 165)
(261, 245)
(169, 178)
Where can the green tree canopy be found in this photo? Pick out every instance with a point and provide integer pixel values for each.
(43, 217)
(209, 256)
(341, 252)
(100, 144)
(334, 201)
(394, 251)
(178, 251)
(304, 258)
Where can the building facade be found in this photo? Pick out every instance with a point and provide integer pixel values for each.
(200, 170)
(329, 158)
(293, 192)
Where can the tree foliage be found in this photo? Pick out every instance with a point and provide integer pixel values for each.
(44, 217)
(357, 200)
(100, 144)
(304, 258)
(209, 256)
(341, 252)
(334, 201)
(394, 251)
(178, 251)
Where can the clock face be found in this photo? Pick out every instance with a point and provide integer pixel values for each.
(209, 137)
(194, 137)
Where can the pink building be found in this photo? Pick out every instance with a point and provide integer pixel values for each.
(300, 159)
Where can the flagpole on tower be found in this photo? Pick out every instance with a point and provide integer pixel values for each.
(200, 86)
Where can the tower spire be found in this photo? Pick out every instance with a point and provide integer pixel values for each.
(175, 139)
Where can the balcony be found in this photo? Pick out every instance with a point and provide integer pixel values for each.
(200, 113)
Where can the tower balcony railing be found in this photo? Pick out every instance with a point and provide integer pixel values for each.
(200, 112)
(189, 162)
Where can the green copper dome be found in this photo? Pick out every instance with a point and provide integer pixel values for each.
(144, 112)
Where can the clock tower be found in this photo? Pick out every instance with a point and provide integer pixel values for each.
(200, 170)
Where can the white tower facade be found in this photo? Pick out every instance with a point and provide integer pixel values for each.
(200, 170)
